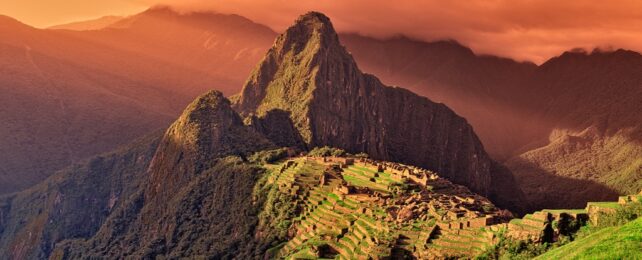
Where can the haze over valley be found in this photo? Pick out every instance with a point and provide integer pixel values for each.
(248, 141)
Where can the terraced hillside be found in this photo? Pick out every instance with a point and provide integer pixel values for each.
(623, 242)
(357, 208)
(350, 208)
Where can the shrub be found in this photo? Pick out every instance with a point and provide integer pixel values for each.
(622, 215)
(362, 155)
(269, 156)
(508, 248)
(327, 151)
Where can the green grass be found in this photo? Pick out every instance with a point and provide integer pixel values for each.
(362, 182)
(623, 242)
(531, 217)
(569, 211)
(611, 205)
(520, 222)
(303, 254)
(611, 160)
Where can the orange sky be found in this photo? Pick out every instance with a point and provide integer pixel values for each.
(521, 29)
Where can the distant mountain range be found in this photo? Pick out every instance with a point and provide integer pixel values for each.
(191, 192)
(69, 95)
(202, 189)
(571, 121)
(95, 24)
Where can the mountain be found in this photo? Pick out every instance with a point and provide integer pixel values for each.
(94, 24)
(202, 189)
(75, 202)
(310, 75)
(225, 47)
(590, 101)
(184, 193)
(567, 129)
(64, 100)
(208, 129)
(69, 95)
(527, 117)
(488, 91)
(220, 50)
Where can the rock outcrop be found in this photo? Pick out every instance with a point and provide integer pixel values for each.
(208, 129)
(309, 74)
(201, 195)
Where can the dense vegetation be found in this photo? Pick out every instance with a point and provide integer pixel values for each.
(73, 203)
(576, 168)
(617, 242)
(215, 215)
(616, 236)
(327, 151)
(269, 156)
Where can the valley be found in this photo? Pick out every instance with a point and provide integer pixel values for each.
(519, 111)
(309, 156)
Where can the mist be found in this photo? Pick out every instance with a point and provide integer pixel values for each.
(523, 30)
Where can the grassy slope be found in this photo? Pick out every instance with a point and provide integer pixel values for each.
(586, 167)
(623, 242)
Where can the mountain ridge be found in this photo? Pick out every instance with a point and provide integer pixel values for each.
(331, 102)
(88, 25)
(196, 192)
(500, 101)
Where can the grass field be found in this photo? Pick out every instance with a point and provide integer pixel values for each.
(623, 242)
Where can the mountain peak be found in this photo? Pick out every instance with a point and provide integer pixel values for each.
(295, 59)
(207, 129)
(310, 76)
(313, 28)
(161, 9)
(211, 107)
(7, 22)
(596, 55)
(314, 17)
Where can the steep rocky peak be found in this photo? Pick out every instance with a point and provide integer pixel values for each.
(313, 29)
(208, 129)
(211, 108)
(310, 77)
(288, 73)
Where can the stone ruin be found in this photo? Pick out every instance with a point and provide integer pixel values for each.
(457, 212)
(454, 208)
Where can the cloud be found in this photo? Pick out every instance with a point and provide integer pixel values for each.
(532, 30)
(523, 29)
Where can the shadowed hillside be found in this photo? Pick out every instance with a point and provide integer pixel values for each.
(202, 189)
(488, 91)
(69, 95)
(311, 75)
(128, 74)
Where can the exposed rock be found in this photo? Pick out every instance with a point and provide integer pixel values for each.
(309, 74)
(208, 129)
(198, 196)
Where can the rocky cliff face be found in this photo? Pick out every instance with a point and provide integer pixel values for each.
(309, 74)
(207, 129)
(194, 193)
(188, 193)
